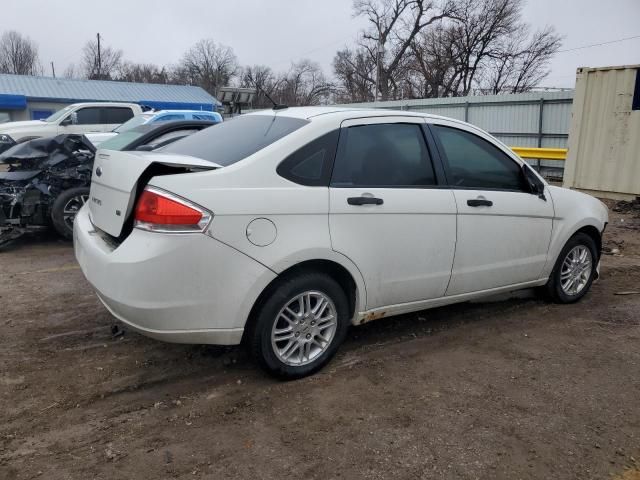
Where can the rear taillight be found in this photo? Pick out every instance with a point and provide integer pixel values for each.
(160, 211)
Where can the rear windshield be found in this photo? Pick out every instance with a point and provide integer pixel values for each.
(231, 141)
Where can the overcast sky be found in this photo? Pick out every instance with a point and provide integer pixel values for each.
(276, 32)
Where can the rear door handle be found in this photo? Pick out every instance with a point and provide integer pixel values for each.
(479, 202)
(364, 201)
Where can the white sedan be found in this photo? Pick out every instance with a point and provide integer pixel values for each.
(282, 228)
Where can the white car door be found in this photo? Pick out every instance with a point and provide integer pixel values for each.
(503, 229)
(388, 210)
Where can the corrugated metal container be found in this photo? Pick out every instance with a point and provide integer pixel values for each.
(604, 140)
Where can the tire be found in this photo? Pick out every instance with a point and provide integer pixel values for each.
(309, 339)
(64, 210)
(579, 246)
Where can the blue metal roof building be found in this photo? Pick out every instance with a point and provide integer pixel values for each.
(25, 97)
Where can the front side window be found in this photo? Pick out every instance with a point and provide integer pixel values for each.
(57, 115)
(117, 115)
(311, 164)
(236, 139)
(475, 163)
(383, 155)
(88, 116)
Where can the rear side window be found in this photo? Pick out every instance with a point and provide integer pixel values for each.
(383, 155)
(311, 164)
(475, 163)
(204, 116)
(236, 139)
(169, 117)
(88, 116)
(116, 115)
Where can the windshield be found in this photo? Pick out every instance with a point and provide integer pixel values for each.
(236, 139)
(58, 115)
(133, 122)
(122, 140)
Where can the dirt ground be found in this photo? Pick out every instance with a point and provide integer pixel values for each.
(513, 389)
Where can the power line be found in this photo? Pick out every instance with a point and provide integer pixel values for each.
(598, 44)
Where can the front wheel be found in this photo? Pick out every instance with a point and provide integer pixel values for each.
(300, 325)
(64, 210)
(574, 270)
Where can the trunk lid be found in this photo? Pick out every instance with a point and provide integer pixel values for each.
(119, 178)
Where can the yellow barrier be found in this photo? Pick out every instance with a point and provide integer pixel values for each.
(542, 153)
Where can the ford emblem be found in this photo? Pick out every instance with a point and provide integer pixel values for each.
(99, 171)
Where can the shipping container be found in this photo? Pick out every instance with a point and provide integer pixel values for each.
(604, 137)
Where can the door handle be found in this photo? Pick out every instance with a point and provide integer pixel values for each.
(479, 202)
(364, 201)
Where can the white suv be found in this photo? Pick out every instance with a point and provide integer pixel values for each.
(78, 118)
(284, 228)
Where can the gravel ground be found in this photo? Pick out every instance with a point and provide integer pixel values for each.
(515, 389)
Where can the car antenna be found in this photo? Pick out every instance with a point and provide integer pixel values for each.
(276, 106)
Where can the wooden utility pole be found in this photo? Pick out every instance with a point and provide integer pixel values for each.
(53, 70)
(99, 59)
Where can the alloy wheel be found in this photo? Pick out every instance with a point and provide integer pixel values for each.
(576, 270)
(71, 209)
(304, 328)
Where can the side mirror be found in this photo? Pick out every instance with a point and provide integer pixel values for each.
(71, 119)
(145, 148)
(536, 187)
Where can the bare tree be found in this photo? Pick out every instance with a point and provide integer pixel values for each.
(71, 71)
(477, 33)
(208, 65)
(263, 80)
(394, 24)
(523, 63)
(432, 69)
(355, 72)
(102, 63)
(304, 84)
(18, 55)
(142, 73)
(482, 46)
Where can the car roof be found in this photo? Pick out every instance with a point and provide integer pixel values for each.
(344, 113)
(206, 112)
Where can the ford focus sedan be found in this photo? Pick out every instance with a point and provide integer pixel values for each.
(280, 229)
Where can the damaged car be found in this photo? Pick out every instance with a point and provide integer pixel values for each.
(47, 180)
(46, 183)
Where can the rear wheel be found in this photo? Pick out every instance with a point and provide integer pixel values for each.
(574, 270)
(65, 208)
(300, 325)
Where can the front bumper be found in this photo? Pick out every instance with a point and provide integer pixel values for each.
(177, 288)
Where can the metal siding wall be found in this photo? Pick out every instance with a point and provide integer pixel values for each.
(454, 111)
(556, 118)
(515, 113)
(604, 153)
